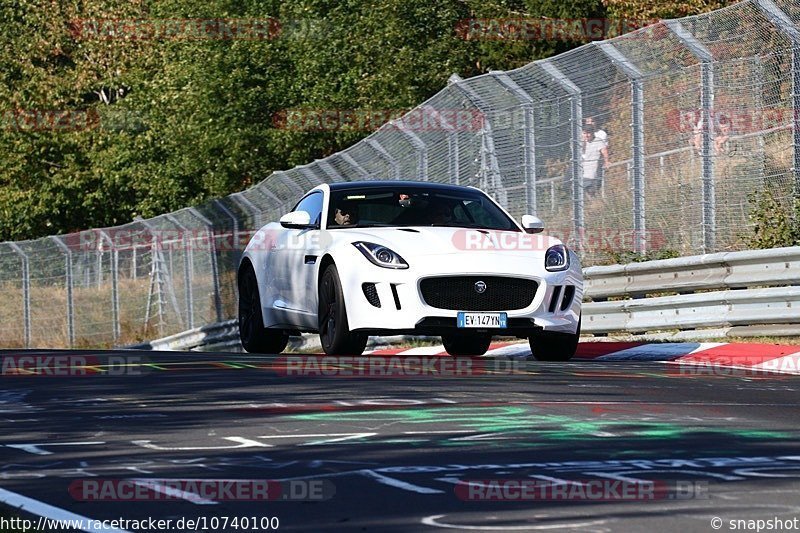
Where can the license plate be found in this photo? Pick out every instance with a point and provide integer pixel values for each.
(482, 320)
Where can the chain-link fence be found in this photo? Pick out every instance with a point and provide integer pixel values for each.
(656, 139)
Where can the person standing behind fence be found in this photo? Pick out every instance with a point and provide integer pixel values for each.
(591, 155)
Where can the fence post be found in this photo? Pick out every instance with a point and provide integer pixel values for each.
(188, 271)
(241, 199)
(383, 154)
(26, 293)
(330, 171)
(419, 145)
(115, 318)
(282, 176)
(489, 164)
(214, 267)
(576, 122)
(699, 50)
(637, 136)
(222, 207)
(787, 27)
(452, 143)
(528, 136)
(69, 281)
(353, 163)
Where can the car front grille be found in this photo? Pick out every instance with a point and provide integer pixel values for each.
(459, 293)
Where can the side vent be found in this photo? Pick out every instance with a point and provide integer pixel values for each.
(396, 297)
(554, 299)
(569, 294)
(371, 293)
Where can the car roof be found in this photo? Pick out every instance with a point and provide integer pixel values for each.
(361, 185)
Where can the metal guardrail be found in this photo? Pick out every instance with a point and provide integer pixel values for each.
(735, 293)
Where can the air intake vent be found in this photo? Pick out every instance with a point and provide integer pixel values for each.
(569, 294)
(371, 294)
(478, 293)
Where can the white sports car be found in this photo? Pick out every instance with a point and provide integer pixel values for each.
(399, 257)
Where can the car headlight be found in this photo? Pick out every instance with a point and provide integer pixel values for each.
(556, 258)
(380, 255)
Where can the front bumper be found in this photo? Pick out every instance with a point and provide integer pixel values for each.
(403, 311)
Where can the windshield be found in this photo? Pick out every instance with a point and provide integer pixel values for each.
(410, 206)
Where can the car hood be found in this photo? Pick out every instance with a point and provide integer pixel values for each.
(426, 240)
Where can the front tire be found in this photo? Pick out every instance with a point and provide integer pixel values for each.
(555, 346)
(254, 336)
(334, 332)
(465, 344)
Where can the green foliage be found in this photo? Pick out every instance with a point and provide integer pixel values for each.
(775, 223)
(175, 122)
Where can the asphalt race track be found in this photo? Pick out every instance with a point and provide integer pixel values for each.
(402, 452)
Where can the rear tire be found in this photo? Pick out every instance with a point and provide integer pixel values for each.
(254, 336)
(334, 332)
(555, 346)
(466, 344)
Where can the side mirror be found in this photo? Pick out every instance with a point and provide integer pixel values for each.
(296, 220)
(532, 224)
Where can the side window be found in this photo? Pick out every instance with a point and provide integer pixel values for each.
(311, 204)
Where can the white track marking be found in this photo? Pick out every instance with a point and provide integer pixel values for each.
(36, 450)
(399, 484)
(29, 505)
(434, 521)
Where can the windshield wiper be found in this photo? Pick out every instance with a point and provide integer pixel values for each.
(470, 225)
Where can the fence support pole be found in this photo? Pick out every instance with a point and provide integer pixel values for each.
(576, 123)
(528, 136)
(489, 162)
(383, 154)
(637, 138)
(419, 146)
(787, 27)
(69, 282)
(452, 142)
(115, 318)
(26, 293)
(188, 271)
(330, 171)
(214, 267)
(362, 172)
(699, 50)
